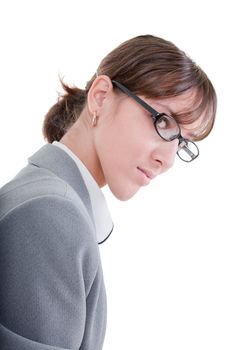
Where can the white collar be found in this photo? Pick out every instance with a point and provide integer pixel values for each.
(102, 217)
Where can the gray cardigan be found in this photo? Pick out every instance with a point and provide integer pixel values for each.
(52, 293)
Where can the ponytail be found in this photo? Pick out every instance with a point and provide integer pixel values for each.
(64, 113)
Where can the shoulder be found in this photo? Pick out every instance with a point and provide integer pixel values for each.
(51, 214)
(34, 185)
(50, 231)
(30, 183)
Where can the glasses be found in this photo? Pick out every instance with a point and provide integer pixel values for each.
(166, 126)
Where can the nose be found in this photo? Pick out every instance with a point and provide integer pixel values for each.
(164, 154)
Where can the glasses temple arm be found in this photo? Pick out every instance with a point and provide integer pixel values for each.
(136, 98)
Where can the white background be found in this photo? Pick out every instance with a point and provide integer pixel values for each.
(168, 265)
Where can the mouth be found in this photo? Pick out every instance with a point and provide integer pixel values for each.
(149, 174)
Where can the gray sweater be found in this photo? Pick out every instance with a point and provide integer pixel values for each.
(52, 293)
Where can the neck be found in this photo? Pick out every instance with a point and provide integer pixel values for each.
(79, 139)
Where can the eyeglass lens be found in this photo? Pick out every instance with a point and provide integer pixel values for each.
(167, 127)
(187, 150)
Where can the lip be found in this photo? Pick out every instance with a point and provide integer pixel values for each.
(149, 174)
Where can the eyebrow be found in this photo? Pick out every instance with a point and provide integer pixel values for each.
(170, 111)
(166, 110)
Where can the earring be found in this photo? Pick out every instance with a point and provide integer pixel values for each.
(94, 119)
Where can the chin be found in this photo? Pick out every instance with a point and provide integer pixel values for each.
(124, 194)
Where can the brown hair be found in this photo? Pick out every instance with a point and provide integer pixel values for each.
(148, 66)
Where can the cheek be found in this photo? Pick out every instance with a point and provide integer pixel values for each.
(118, 156)
(112, 146)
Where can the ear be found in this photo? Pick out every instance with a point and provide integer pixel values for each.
(98, 93)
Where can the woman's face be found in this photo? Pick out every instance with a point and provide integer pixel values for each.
(130, 151)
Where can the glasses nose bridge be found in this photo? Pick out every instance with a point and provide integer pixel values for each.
(182, 141)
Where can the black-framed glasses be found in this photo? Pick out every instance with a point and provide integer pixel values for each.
(166, 126)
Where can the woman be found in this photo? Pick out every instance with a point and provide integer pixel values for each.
(147, 102)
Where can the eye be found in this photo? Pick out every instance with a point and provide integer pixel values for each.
(164, 122)
(167, 127)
